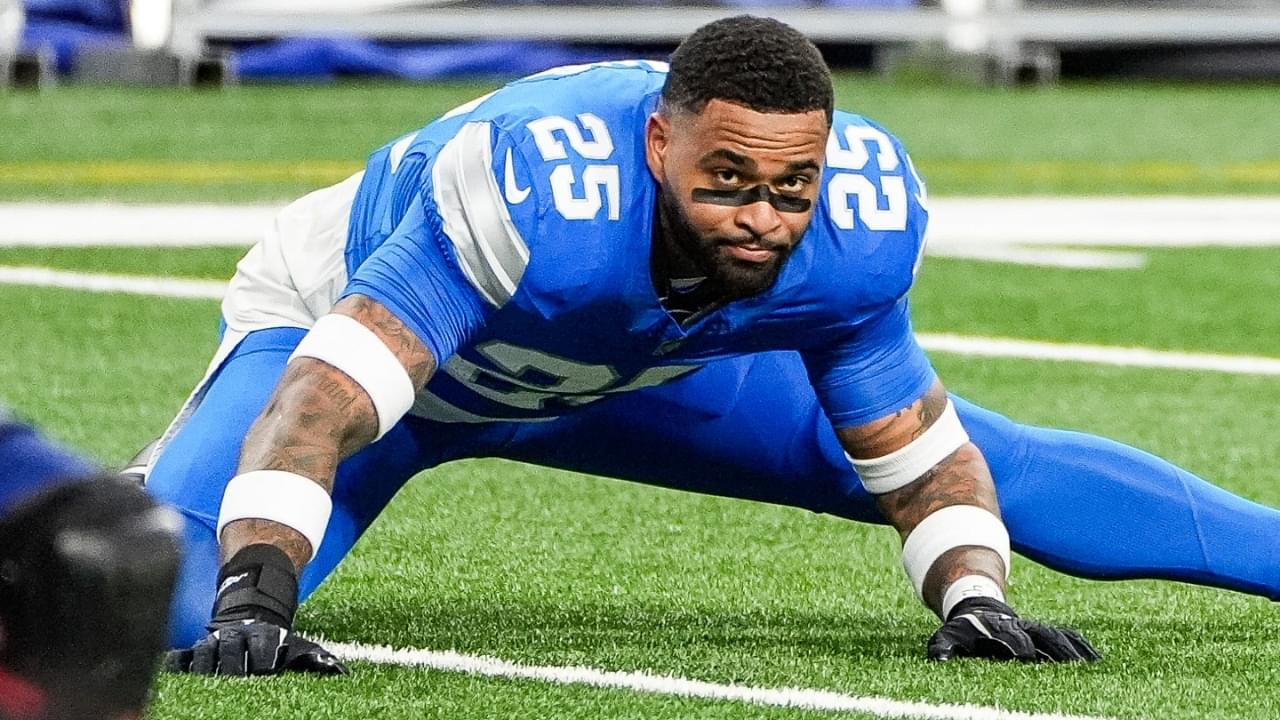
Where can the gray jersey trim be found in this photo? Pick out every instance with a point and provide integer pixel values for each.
(491, 251)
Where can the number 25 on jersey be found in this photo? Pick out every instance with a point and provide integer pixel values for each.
(847, 150)
(600, 182)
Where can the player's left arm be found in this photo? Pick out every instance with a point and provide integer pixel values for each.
(918, 461)
(933, 484)
(897, 424)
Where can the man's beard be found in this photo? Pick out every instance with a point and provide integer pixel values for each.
(731, 278)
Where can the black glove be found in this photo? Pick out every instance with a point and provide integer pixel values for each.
(984, 627)
(250, 631)
(254, 648)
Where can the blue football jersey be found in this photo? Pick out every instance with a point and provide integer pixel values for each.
(513, 237)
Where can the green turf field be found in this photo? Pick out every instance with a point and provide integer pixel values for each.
(268, 141)
(551, 568)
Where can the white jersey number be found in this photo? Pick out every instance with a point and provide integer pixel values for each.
(600, 182)
(530, 379)
(845, 187)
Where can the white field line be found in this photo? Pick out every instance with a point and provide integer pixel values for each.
(1098, 354)
(1140, 222)
(805, 698)
(1102, 221)
(934, 342)
(1042, 256)
(113, 224)
(128, 284)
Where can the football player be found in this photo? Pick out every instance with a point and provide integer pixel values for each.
(692, 276)
(87, 566)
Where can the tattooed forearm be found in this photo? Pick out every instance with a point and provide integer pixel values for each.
(962, 478)
(412, 353)
(242, 533)
(317, 417)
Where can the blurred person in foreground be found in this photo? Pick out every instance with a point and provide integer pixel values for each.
(87, 566)
(693, 277)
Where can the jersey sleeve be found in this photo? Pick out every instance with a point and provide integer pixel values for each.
(458, 254)
(869, 364)
(876, 369)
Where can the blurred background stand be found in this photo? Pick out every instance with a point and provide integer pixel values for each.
(21, 68)
(997, 42)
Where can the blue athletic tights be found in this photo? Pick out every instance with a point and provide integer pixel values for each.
(1077, 503)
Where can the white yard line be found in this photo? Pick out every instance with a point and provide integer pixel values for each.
(1098, 354)
(1117, 221)
(113, 224)
(128, 284)
(1042, 256)
(934, 342)
(1123, 221)
(810, 699)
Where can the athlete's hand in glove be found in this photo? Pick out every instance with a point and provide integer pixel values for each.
(253, 647)
(984, 627)
(250, 633)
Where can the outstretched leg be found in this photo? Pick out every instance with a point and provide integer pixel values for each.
(1077, 503)
(1100, 509)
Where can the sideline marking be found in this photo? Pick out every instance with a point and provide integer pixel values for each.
(806, 698)
(934, 342)
(92, 224)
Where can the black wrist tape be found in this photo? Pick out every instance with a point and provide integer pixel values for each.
(257, 583)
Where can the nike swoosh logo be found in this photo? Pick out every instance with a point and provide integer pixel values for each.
(231, 581)
(515, 194)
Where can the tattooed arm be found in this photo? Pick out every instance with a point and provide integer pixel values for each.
(317, 417)
(962, 478)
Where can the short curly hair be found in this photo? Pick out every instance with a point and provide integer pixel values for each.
(759, 63)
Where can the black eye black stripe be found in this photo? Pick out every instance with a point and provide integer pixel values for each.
(759, 193)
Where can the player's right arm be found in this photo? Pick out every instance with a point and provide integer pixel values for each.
(456, 255)
(320, 414)
(349, 381)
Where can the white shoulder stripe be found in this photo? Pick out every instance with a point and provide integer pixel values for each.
(476, 220)
(399, 149)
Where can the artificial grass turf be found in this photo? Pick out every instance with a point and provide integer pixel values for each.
(1193, 299)
(547, 567)
(277, 142)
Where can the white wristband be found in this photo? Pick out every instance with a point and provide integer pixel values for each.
(967, 587)
(284, 497)
(902, 466)
(949, 528)
(346, 344)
